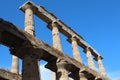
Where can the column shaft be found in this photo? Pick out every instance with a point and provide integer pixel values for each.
(62, 73)
(90, 59)
(56, 42)
(30, 68)
(29, 21)
(101, 67)
(56, 37)
(53, 76)
(75, 50)
(15, 65)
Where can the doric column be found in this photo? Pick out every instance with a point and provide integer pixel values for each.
(30, 68)
(101, 67)
(56, 37)
(30, 65)
(29, 21)
(15, 65)
(90, 59)
(82, 76)
(56, 42)
(62, 73)
(75, 49)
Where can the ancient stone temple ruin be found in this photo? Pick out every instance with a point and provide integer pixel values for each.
(25, 46)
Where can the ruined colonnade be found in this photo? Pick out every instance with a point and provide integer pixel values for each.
(30, 63)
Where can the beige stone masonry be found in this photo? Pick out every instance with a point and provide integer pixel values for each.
(56, 37)
(75, 49)
(90, 59)
(101, 66)
(15, 65)
(29, 21)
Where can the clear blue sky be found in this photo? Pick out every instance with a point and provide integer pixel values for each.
(97, 21)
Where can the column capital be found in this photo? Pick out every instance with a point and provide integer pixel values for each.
(28, 5)
(82, 76)
(54, 24)
(62, 72)
(62, 63)
(87, 49)
(72, 38)
(98, 58)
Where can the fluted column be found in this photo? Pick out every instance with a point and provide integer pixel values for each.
(30, 65)
(15, 65)
(62, 73)
(75, 49)
(101, 67)
(56, 42)
(90, 59)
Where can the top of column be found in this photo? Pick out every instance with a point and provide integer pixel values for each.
(95, 57)
(28, 4)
